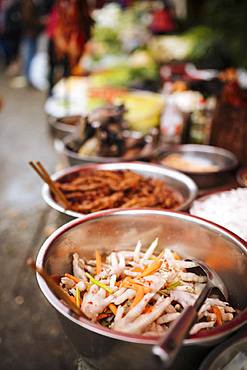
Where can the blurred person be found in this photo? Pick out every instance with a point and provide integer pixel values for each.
(10, 33)
(33, 16)
(163, 18)
(69, 29)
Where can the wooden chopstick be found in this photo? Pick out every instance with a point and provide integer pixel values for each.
(61, 195)
(56, 288)
(41, 171)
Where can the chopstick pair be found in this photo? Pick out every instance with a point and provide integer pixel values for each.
(41, 171)
(56, 288)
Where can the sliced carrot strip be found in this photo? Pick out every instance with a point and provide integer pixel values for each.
(130, 283)
(137, 283)
(113, 308)
(176, 256)
(72, 298)
(72, 277)
(98, 262)
(146, 290)
(103, 316)
(217, 312)
(150, 269)
(137, 269)
(138, 297)
(78, 298)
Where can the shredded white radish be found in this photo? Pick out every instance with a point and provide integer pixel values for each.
(228, 209)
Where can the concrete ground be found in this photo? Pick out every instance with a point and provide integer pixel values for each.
(30, 334)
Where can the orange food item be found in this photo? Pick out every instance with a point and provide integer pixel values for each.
(103, 316)
(138, 297)
(113, 308)
(98, 262)
(148, 309)
(217, 312)
(72, 277)
(72, 298)
(150, 269)
(96, 190)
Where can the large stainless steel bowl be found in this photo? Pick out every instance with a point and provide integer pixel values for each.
(225, 161)
(176, 180)
(115, 230)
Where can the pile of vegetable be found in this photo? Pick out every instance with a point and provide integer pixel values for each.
(140, 292)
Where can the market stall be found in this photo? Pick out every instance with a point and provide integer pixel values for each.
(146, 226)
(142, 97)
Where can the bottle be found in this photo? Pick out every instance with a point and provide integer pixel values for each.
(200, 122)
(171, 124)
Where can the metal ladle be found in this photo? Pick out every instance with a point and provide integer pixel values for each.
(167, 349)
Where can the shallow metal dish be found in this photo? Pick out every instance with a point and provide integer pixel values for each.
(174, 179)
(116, 230)
(74, 158)
(224, 159)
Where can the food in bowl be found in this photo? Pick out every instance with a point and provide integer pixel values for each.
(209, 166)
(190, 163)
(105, 133)
(95, 190)
(119, 230)
(226, 208)
(139, 292)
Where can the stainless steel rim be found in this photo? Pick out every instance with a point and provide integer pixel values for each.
(135, 166)
(207, 149)
(211, 337)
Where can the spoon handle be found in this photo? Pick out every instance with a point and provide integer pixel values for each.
(171, 343)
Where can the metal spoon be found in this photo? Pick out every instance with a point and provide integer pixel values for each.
(171, 343)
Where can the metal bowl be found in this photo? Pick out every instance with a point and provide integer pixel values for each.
(120, 229)
(61, 127)
(224, 159)
(176, 180)
(219, 358)
(75, 159)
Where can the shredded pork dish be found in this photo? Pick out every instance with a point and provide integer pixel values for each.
(139, 292)
(96, 190)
